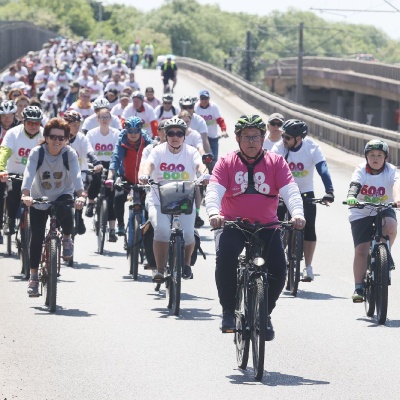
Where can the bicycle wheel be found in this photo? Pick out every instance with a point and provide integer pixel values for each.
(25, 229)
(77, 217)
(242, 337)
(258, 317)
(102, 221)
(52, 268)
(382, 283)
(134, 244)
(176, 273)
(7, 235)
(295, 252)
(369, 289)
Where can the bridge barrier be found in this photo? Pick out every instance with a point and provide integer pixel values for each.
(341, 133)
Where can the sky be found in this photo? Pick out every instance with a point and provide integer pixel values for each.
(389, 22)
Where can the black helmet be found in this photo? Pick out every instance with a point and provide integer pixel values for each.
(138, 95)
(295, 127)
(167, 98)
(376, 144)
(187, 101)
(250, 121)
(73, 116)
(33, 113)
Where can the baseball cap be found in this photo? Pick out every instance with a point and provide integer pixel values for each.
(204, 93)
(124, 95)
(74, 84)
(277, 116)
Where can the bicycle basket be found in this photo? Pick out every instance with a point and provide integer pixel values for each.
(177, 197)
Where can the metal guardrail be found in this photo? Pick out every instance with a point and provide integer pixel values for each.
(341, 133)
(19, 37)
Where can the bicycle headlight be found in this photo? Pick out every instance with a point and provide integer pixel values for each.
(258, 261)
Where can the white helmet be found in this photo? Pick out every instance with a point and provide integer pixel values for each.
(101, 102)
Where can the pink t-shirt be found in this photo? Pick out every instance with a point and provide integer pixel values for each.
(270, 174)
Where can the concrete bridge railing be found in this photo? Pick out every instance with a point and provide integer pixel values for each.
(344, 134)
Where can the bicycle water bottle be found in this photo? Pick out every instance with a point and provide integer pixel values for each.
(176, 223)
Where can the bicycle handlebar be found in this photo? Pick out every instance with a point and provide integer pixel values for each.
(45, 200)
(315, 201)
(363, 204)
(245, 224)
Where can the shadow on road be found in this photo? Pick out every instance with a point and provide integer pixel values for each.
(193, 314)
(73, 312)
(141, 278)
(394, 323)
(246, 377)
(316, 296)
(89, 266)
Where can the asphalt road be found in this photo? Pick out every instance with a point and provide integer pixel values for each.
(113, 338)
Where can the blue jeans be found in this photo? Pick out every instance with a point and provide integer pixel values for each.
(214, 147)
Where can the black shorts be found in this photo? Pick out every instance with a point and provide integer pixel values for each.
(166, 79)
(362, 229)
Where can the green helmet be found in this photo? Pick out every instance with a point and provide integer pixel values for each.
(250, 121)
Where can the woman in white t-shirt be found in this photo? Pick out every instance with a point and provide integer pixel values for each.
(170, 161)
(103, 140)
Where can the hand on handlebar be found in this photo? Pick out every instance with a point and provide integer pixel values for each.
(351, 201)
(98, 168)
(217, 221)
(328, 198)
(27, 200)
(79, 203)
(144, 179)
(298, 222)
(109, 184)
(3, 176)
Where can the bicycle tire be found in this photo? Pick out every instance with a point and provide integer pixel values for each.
(296, 255)
(176, 273)
(8, 236)
(134, 246)
(25, 229)
(52, 273)
(102, 221)
(242, 337)
(70, 261)
(382, 283)
(258, 315)
(369, 289)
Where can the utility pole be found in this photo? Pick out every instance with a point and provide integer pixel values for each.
(299, 82)
(248, 56)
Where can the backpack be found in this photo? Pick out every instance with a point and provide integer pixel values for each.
(41, 158)
(162, 111)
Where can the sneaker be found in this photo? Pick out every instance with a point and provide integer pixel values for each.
(121, 230)
(187, 272)
(9, 228)
(81, 227)
(269, 333)
(1, 238)
(68, 248)
(89, 210)
(198, 223)
(112, 237)
(158, 277)
(33, 288)
(228, 324)
(358, 296)
(308, 274)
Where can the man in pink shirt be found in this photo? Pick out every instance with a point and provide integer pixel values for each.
(247, 184)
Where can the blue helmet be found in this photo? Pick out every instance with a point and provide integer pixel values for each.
(133, 123)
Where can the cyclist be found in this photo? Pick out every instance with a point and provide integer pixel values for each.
(80, 143)
(83, 104)
(163, 158)
(93, 122)
(14, 152)
(236, 192)
(210, 112)
(21, 102)
(274, 135)
(168, 72)
(303, 155)
(140, 109)
(103, 140)
(56, 179)
(375, 180)
(150, 98)
(166, 110)
(125, 163)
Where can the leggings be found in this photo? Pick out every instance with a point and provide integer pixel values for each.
(229, 243)
(38, 219)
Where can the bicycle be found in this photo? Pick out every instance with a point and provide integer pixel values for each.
(251, 296)
(23, 239)
(176, 198)
(50, 264)
(133, 235)
(380, 263)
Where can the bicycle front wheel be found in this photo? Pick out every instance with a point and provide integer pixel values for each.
(134, 244)
(176, 273)
(295, 254)
(242, 337)
(25, 229)
(382, 283)
(258, 315)
(102, 221)
(52, 269)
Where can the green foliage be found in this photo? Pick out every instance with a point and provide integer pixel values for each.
(205, 32)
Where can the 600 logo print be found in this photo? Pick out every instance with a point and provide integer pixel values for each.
(175, 172)
(373, 194)
(298, 169)
(24, 154)
(104, 149)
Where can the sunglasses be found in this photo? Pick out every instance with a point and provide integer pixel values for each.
(33, 123)
(56, 137)
(104, 117)
(178, 134)
(287, 137)
(133, 130)
(272, 123)
(204, 98)
(256, 138)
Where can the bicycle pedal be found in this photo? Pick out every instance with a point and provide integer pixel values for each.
(34, 295)
(358, 301)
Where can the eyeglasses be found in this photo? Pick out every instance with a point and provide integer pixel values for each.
(133, 130)
(178, 134)
(33, 123)
(85, 96)
(286, 137)
(56, 137)
(255, 138)
(104, 117)
(272, 123)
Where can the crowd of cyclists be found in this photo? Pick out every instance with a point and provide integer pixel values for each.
(76, 103)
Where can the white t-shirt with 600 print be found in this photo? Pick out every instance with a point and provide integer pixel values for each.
(103, 145)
